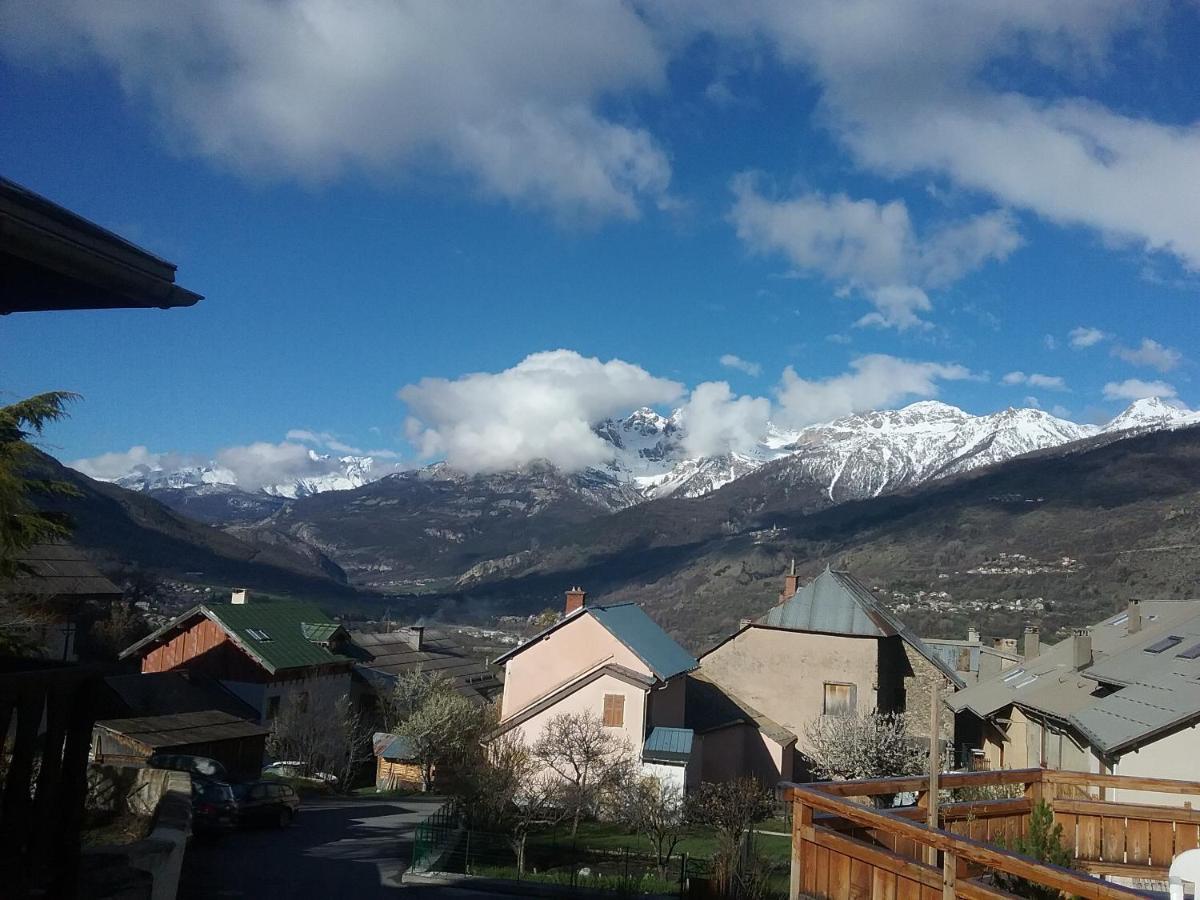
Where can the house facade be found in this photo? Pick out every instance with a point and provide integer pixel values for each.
(828, 648)
(267, 654)
(610, 661)
(1120, 697)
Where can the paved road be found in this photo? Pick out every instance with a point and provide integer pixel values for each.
(353, 849)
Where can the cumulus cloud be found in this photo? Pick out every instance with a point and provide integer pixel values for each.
(1136, 389)
(542, 408)
(1084, 336)
(264, 463)
(716, 421)
(114, 465)
(328, 441)
(731, 361)
(869, 247)
(875, 381)
(1149, 353)
(1050, 382)
(911, 88)
(509, 94)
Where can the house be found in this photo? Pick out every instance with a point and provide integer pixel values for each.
(265, 653)
(612, 661)
(66, 589)
(976, 658)
(384, 656)
(237, 744)
(395, 763)
(733, 739)
(828, 648)
(1121, 697)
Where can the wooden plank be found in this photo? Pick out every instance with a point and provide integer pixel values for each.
(1124, 782)
(1129, 810)
(860, 880)
(869, 787)
(1088, 843)
(822, 871)
(883, 884)
(1069, 823)
(907, 889)
(1187, 837)
(810, 868)
(1162, 843)
(982, 808)
(1112, 839)
(1137, 842)
(1125, 870)
(839, 876)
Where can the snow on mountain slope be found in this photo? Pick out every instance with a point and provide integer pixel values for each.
(1152, 414)
(351, 472)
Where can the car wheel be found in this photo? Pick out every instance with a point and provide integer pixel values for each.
(285, 818)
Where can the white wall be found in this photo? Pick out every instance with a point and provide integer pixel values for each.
(1174, 756)
(674, 776)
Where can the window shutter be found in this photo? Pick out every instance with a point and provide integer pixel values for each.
(614, 710)
(839, 699)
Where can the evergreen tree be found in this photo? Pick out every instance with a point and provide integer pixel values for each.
(1043, 841)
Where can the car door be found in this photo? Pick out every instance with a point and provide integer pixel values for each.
(258, 802)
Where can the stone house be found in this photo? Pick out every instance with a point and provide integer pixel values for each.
(267, 654)
(828, 648)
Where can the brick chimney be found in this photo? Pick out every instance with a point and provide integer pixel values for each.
(1134, 625)
(1081, 646)
(791, 584)
(1033, 641)
(240, 597)
(576, 599)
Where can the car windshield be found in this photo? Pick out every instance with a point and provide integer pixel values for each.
(213, 791)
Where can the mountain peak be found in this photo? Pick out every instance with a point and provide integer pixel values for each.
(1152, 412)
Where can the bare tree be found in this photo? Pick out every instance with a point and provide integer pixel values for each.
(442, 725)
(590, 759)
(657, 810)
(876, 745)
(323, 741)
(731, 808)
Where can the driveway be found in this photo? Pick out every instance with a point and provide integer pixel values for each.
(352, 848)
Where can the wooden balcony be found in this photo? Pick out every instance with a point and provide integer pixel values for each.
(845, 847)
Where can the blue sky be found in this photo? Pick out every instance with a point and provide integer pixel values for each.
(895, 200)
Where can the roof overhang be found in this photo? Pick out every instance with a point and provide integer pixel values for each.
(54, 259)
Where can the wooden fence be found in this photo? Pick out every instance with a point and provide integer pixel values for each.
(845, 847)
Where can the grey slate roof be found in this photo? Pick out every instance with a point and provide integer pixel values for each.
(1147, 693)
(385, 655)
(668, 745)
(838, 603)
(171, 693)
(630, 625)
(60, 570)
(164, 732)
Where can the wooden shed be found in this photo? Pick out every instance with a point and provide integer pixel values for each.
(395, 767)
(234, 742)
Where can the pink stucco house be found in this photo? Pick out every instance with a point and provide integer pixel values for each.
(613, 661)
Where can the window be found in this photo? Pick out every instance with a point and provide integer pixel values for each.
(272, 707)
(1013, 676)
(840, 699)
(614, 710)
(258, 634)
(1165, 644)
(1192, 652)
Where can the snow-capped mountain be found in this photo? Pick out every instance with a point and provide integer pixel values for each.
(342, 474)
(1152, 414)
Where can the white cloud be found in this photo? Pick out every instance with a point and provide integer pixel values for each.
(731, 361)
(910, 88)
(1150, 353)
(1084, 336)
(1033, 402)
(508, 94)
(1049, 382)
(1061, 411)
(869, 247)
(541, 408)
(113, 465)
(876, 381)
(1136, 389)
(264, 463)
(716, 421)
(1050, 342)
(326, 440)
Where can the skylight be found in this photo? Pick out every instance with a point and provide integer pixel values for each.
(1120, 620)
(1013, 675)
(1165, 644)
(258, 634)
(1028, 681)
(1192, 652)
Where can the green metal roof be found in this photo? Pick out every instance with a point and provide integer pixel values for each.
(277, 634)
(669, 745)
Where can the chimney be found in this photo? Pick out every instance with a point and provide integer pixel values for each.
(1033, 641)
(989, 665)
(1081, 645)
(240, 597)
(576, 598)
(973, 634)
(791, 584)
(415, 635)
(1135, 616)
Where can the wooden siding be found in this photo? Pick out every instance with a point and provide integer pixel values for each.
(391, 775)
(204, 647)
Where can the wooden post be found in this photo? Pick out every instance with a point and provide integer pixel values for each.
(802, 816)
(949, 875)
(935, 760)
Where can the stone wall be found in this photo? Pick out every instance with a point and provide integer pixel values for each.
(917, 690)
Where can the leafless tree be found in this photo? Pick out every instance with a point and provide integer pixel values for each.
(590, 759)
(324, 741)
(731, 808)
(657, 810)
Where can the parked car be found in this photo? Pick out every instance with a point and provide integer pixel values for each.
(266, 802)
(196, 766)
(296, 769)
(214, 807)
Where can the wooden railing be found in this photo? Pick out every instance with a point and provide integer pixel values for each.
(46, 716)
(844, 848)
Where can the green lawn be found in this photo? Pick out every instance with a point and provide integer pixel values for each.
(698, 841)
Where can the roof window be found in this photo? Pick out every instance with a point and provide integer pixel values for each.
(258, 634)
(1166, 643)
(1028, 681)
(1013, 675)
(1192, 652)
(1121, 619)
